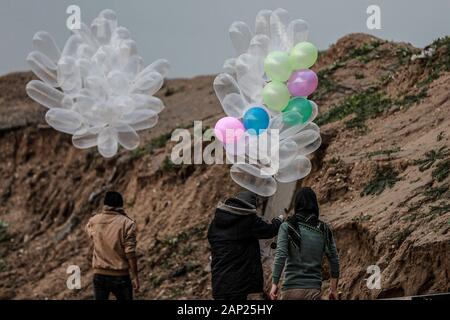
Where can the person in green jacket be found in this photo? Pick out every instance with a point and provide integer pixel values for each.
(303, 240)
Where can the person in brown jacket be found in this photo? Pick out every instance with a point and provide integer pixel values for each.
(113, 235)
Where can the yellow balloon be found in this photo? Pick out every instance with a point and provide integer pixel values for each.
(276, 95)
(303, 55)
(277, 66)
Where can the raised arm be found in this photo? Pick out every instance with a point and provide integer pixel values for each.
(265, 230)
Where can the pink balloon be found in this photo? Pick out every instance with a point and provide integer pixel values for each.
(229, 129)
(302, 83)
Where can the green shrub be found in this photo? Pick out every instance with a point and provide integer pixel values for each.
(362, 218)
(2, 265)
(3, 231)
(443, 207)
(155, 143)
(435, 193)
(168, 165)
(387, 152)
(401, 236)
(365, 105)
(363, 53)
(359, 75)
(385, 177)
(442, 171)
(410, 99)
(439, 61)
(431, 157)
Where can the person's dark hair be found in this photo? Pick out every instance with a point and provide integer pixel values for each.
(306, 208)
(113, 199)
(306, 202)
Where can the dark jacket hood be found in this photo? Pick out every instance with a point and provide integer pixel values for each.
(246, 198)
(232, 210)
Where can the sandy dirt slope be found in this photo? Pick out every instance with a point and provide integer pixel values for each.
(382, 176)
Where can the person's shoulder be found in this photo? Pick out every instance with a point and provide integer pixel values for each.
(94, 217)
(323, 225)
(127, 219)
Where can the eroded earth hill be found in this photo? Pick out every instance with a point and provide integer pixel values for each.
(382, 176)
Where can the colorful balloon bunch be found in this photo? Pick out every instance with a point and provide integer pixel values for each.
(267, 87)
(97, 88)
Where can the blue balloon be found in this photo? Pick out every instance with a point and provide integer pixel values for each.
(256, 119)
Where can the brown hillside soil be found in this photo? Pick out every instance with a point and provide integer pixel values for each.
(382, 176)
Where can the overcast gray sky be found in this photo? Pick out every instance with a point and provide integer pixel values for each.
(193, 34)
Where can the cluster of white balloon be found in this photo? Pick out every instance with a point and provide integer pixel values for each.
(266, 87)
(97, 88)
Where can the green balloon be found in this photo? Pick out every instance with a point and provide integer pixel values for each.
(277, 66)
(303, 111)
(303, 56)
(276, 95)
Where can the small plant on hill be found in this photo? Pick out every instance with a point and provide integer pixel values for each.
(168, 165)
(401, 236)
(363, 52)
(385, 177)
(362, 218)
(431, 157)
(172, 90)
(442, 171)
(156, 281)
(436, 193)
(365, 105)
(439, 61)
(3, 232)
(156, 143)
(2, 265)
(359, 75)
(410, 99)
(440, 136)
(184, 236)
(387, 152)
(442, 208)
(327, 85)
(404, 54)
(334, 160)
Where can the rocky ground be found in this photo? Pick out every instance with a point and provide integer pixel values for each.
(382, 176)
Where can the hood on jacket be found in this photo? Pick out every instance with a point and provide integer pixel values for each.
(233, 209)
(247, 198)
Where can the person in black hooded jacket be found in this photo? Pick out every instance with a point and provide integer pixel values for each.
(234, 236)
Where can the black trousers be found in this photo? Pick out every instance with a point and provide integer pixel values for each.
(119, 286)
